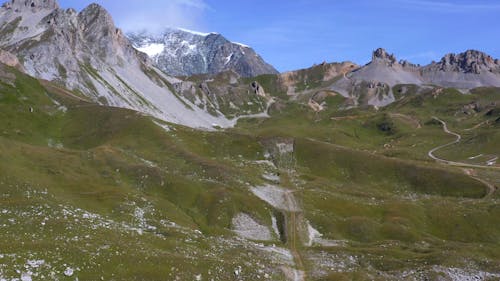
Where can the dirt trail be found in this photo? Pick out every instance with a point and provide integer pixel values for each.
(51, 87)
(457, 140)
(487, 122)
(491, 188)
(292, 237)
(352, 117)
(410, 119)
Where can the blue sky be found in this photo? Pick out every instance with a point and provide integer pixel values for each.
(293, 34)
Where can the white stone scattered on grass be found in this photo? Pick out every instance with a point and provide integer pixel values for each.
(26, 277)
(68, 271)
(35, 263)
(237, 271)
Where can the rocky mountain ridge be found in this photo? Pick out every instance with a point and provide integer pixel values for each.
(373, 82)
(85, 52)
(181, 52)
(471, 61)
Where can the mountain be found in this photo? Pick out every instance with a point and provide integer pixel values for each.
(372, 83)
(92, 192)
(181, 52)
(313, 185)
(385, 68)
(467, 70)
(85, 52)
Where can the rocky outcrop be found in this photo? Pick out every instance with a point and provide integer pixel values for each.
(466, 70)
(226, 92)
(374, 81)
(295, 82)
(33, 5)
(372, 84)
(181, 52)
(10, 60)
(257, 89)
(86, 52)
(471, 61)
(381, 55)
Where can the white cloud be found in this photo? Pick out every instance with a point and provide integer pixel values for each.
(199, 4)
(156, 15)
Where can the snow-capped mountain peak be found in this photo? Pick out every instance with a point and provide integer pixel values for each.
(194, 32)
(86, 52)
(183, 52)
(152, 49)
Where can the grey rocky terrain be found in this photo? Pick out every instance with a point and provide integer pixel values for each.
(85, 52)
(181, 52)
(372, 83)
(467, 70)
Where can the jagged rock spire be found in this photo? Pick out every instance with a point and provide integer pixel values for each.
(381, 55)
(33, 5)
(471, 61)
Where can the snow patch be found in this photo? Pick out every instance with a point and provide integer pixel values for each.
(275, 226)
(152, 49)
(228, 58)
(314, 234)
(196, 32)
(246, 227)
(316, 237)
(241, 45)
(277, 197)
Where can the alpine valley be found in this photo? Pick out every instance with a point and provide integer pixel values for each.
(185, 156)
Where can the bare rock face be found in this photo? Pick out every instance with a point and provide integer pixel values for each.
(471, 61)
(225, 92)
(466, 70)
(375, 80)
(182, 52)
(372, 84)
(10, 60)
(381, 55)
(86, 52)
(33, 5)
(257, 89)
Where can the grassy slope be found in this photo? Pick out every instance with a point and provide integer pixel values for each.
(110, 182)
(86, 174)
(375, 186)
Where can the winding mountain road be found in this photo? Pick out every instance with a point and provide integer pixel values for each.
(491, 188)
(457, 140)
